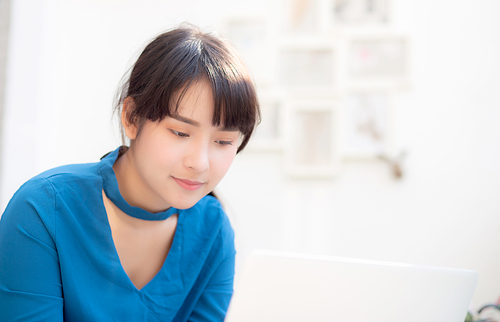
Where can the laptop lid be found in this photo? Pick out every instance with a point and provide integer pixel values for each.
(275, 286)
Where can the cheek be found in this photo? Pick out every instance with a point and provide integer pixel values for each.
(223, 162)
(158, 153)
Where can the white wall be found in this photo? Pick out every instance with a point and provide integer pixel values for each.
(67, 57)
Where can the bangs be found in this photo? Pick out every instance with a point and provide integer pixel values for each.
(176, 60)
(235, 99)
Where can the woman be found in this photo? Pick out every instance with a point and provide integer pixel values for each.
(138, 236)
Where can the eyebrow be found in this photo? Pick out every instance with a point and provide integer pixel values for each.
(186, 120)
(195, 123)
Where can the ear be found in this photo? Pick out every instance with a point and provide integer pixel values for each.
(129, 127)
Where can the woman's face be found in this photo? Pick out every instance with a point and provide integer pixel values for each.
(179, 160)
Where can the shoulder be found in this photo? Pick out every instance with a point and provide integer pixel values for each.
(47, 183)
(211, 210)
(208, 218)
(39, 195)
(225, 230)
(70, 171)
(209, 204)
(73, 178)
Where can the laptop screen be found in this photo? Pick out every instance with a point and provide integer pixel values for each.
(288, 287)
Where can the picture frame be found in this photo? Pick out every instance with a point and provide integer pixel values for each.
(312, 148)
(367, 123)
(252, 38)
(378, 59)
(302, 17)
(359, 13)
(305, 67)
(269, 134)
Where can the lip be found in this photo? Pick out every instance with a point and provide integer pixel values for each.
(188, 184)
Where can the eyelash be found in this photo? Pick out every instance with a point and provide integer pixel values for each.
(184, 135)
(180, 134)
(224, 143)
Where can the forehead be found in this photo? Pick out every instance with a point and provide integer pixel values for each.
(195, 106)
(195, 100)
(219, 103)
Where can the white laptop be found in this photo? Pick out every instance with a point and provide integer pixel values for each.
(275, 286)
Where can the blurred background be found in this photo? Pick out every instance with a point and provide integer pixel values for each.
(380, 136)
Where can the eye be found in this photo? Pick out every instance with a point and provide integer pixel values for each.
(223, 143)
(179, 134)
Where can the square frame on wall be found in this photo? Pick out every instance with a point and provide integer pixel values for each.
(358, 13)
(307, 67)
(269, 134)
(301, 18)
(377, 59)
(312, 147)
(367, 130)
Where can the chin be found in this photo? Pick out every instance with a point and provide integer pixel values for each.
(185, 203)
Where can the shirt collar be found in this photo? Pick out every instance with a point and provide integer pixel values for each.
(110, 186)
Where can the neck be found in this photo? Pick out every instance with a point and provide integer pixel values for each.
(133, 188)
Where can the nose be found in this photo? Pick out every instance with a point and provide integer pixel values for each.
(197, 157)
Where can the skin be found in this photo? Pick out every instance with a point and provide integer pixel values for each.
(171, 163)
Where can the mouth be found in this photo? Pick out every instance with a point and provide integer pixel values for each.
(188, 184)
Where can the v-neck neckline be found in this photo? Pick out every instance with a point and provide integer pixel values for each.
(170, 269)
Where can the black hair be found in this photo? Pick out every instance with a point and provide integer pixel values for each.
(179, 58)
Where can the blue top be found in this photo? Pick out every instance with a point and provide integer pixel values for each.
(58, 261)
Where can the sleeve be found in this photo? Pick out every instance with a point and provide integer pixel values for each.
(214, 300)
(30, 281)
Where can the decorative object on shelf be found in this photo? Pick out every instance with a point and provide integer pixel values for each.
(367, 123)
(396, 163)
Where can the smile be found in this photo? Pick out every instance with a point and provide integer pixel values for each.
(188, 184)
